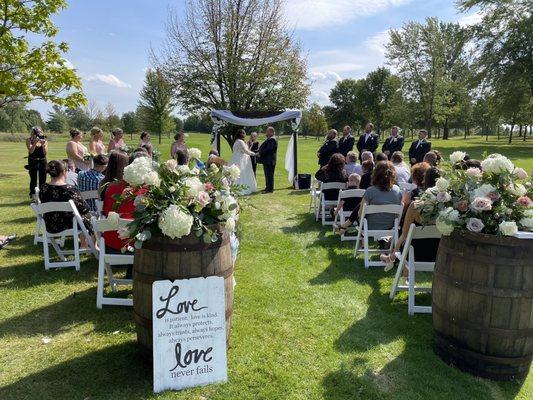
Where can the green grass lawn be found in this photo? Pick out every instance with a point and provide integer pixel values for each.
(309, 321)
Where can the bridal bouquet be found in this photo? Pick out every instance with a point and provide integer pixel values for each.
(495, 199)
(175, 200)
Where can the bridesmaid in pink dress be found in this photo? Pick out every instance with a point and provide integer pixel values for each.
(117, 140)
(96, 146)
(179, 144)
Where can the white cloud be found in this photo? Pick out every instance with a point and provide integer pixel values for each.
(338, 67)
(69, 64)
(378, 42)
(108, 79)
(470, 19)
(311, 14)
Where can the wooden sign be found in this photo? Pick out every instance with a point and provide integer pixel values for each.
(189, 333)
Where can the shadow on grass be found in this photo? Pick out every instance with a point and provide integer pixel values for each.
(111, 373)
(414, 371)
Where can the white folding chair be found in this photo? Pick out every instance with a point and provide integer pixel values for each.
(93, 195)
(365, 233)
(342, 214)
(106, 262)
(314, 193)
(406, 186)
(326, 205)
(407, 259)
(51, 239)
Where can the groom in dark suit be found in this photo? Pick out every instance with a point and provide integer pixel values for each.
(267, 157)
(368, 141)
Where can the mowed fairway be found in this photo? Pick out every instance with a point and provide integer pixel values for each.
(309, 321)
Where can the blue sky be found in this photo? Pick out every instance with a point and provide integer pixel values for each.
(109, 40)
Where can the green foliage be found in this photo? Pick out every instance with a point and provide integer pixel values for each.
(156, 103)
(30, 71)
(346, 99)
(129, 122)
(198, 123)
(57, 120)
(14, 117)
(314, 121)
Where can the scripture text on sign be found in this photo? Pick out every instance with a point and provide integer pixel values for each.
(189, 333)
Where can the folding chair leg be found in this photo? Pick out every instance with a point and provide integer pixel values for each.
(367, 255)
(357, 243)
(396, 281)
(100, 283)
(411, 298)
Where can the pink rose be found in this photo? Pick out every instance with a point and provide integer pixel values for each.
(203, 198)
(443, 197)
(462, 206)
(481, 204)
(208, 186)
(520, 173)
(493, 196)
(524, 201)
(475, 225)
(474, 172)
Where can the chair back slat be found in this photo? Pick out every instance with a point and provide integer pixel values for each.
(90, 194)
(351, 193)
(332, 185)
(426, 232)
(54, 206)
(384, 209)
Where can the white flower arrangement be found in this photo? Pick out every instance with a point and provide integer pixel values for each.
(457, 156)
(194, 153)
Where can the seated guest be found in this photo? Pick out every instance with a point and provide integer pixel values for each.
(329, 148)
(381, 157)
(467, 163)
(417, 177)
(366, 156)
(382, 192)
(402, 171)
(182, 157)
(425, 249)
(58, 190)
(433, 158)
(366, 177)
(350, 203)
(419, 147)
(351, 163)
(333, 171)
(90, 180)
(216, 160)
(72, 176)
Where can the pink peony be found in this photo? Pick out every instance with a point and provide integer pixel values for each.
(520, 173)
(462, 206)
(493, 196)
(475, 225)
(474, 172)
(524, 201)
(208, 186)
(481, 204)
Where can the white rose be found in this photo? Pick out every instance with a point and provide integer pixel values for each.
(517, 189)
(183, 169)
(152, 179)
(443, 197)
(442, 184)
(527, 223)
(508, 228)
(520, 173)
(474, 172)
(203, 198)
(481, 204)
(444, 227)
(123, 233)
(233, 171)
(195, 153)
(113, 219)
(172, 189)
(230, 225)
(475, 225)
(174, 222)
(171, 165)
(457, 156)
(214, 168)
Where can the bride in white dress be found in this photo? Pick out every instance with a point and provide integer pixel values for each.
(241, 158)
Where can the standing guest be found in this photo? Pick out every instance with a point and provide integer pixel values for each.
(347, 141)
(366, 156)
(333, 171)
(368, 141)
(182, 157)
(59, 191)
(117, 140)
(179, 144)
(351, 163)
(90, 180)
(146, 144)
(433, 158)
(419, 147)
(393, 143)
(402, 171)
(329, 148)
(267, 156)
(366, 177)
(253, 145)
(37, 146)
(96, 146)
(76, 151)
(72, 176)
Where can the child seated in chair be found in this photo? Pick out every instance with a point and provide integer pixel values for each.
(350, 203)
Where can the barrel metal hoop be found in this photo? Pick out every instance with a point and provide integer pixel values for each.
(484, 290)
(182, 248)
(461, 323)
(150, 279)
(487, 260)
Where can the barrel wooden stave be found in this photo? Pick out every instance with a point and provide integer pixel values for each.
(483, 304)
(163, 258)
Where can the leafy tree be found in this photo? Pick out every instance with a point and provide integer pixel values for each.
(129, 122)
(57, 120)
(179, 123)
(236, 55)
(79, 118)
(198, 123)
(156, 103)
(314, 121)
(30, 70)
(346, 102)
(111, 118)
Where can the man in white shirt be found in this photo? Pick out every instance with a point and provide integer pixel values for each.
(419, 147)
(368, 141)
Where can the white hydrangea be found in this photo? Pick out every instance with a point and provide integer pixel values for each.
(508, 228)
(195, 153)
(449, 214)
(194, 185)
(183, 169)
(152, 179)
(136, 172)
(233, 171)
(442, 184)
(527, 222)
(457, 156)
(230, 224)
(444, 227)
(483, 190)
(517, 189)
(496, 163)
(174, 222)
(113, 219)
(171, 165)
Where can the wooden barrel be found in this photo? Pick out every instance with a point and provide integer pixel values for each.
(163, 258)
(483, 304)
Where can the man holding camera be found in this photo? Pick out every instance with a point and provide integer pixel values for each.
(37, 149)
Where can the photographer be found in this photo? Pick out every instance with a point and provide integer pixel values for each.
(37, 148)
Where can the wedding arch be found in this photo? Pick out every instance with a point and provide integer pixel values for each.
(221, 118)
